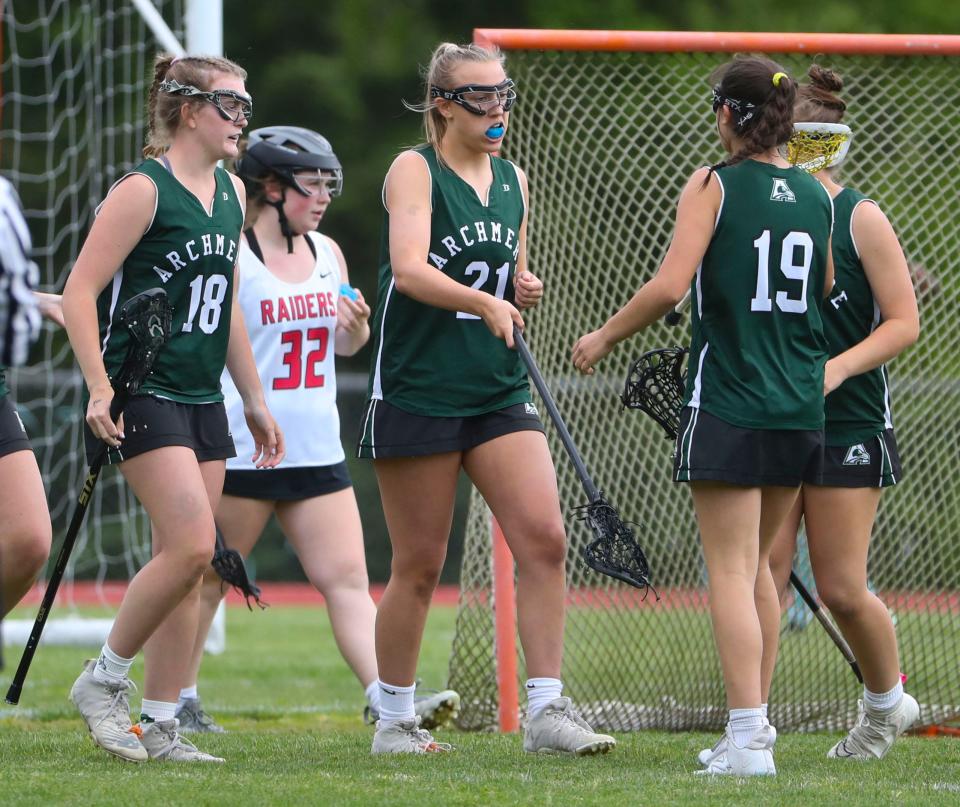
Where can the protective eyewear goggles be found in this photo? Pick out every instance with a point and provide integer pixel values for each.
(479, 98)
(230, 104)
(312, 182)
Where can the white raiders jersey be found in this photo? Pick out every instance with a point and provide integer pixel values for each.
(292, 327)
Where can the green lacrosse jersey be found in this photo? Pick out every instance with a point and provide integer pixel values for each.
(190, 252)
(437, 363)
(860, 407)
(757, 348)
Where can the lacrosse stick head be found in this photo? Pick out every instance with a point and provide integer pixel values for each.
(655, 385)
(815, 146)
(614, 550)
(147, 317)
(228, 563)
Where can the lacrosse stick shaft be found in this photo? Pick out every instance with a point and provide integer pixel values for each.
(673, 317)
(588, 485)
(53, 585)
(827, 625)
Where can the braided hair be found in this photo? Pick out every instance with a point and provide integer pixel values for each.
(761, 96)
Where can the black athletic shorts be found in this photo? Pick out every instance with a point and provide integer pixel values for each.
(150, 422)
(709, 448)
(387, 431)
(874, 463)
(287, 484)
(13, 437)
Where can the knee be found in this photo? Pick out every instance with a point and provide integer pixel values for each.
(193, 558)
(543, 547)
(28, 549)
(843, 599)
(420, 576)
(340, 579)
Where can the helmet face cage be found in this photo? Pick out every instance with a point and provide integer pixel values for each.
(316, 179)
(230, 105)
(815, 146)
(301, 158)
(479, 98)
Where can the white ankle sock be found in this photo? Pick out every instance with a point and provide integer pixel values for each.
(763, 711)
(373, 696)
(744, 724)
(110, 667)
(188, 693)
(155, 711)
(540, 691)
(396, 703)
(883, 701)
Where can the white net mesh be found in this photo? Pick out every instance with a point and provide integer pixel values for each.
(607, 140)
(75, 75)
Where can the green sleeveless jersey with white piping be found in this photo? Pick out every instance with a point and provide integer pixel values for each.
(757, 347)
(860, 407)
(190, 253)
(437, 363)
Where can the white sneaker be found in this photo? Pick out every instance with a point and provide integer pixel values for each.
(754, 759)
(875, 732)
(405, 737)
(163, 742)
(105, 708)
(435, 708)
(708, 755)
(558, 729)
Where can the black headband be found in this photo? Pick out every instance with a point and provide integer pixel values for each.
(743, 110)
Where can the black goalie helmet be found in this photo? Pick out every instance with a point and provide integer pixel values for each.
(289, 151)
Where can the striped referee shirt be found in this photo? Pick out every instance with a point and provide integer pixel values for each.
(19, 275)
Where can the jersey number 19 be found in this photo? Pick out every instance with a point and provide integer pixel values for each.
(788, 267)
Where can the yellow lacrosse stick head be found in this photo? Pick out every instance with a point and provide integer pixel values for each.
(815, 146)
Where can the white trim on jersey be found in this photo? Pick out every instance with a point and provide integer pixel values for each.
(19, 275)
(114, 296)
(698, 378)
(377, 388)
(523, 196)
(853, 212)
(383, 188)
(156, 196)
(723, 197)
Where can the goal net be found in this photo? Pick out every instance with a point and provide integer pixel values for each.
(608, 127)
(75, 76)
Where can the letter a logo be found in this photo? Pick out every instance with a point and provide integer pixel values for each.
(781, 191)
(857, 455)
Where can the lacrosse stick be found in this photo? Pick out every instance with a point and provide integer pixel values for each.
(228, 563)
(655, 385)
(614, 550)
(147, 317)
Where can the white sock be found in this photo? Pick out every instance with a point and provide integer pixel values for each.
(188, 693)
(540, 691)
(883, 701)
(110, 667)
(396, 703)
(373, 696)
(744, 724)
(155, 711)
(763, 711)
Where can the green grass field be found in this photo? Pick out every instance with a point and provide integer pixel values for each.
(295, 736)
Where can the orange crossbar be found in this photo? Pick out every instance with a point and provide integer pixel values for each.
(723, 42)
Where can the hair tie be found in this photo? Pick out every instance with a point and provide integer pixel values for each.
(778, 77)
